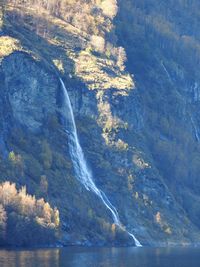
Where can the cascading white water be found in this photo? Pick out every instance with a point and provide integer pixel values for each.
(195, 129)
(81, 169)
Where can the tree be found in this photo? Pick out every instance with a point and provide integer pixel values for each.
(113, 230)
(46, 155)
(3, 220)
(109, 8)
(25, 220)
(56, 217)
(43, 185)
(2, 4)
(8, 194)
(121, 58)
(98, 43)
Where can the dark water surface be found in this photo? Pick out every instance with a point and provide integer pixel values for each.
(102, 257)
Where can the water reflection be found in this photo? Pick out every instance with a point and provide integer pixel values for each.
(101, 257)
(32, 258)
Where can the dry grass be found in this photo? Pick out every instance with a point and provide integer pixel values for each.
(101, 73)
(8, 45)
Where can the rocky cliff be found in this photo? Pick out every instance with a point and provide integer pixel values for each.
(138, 126)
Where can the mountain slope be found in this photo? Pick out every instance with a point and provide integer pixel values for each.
(136, 125)
(168, 85)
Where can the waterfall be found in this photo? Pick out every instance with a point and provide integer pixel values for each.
(166, 71)
(82, 172)
(195, 129)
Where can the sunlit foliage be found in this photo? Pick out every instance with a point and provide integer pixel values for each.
(25, 220)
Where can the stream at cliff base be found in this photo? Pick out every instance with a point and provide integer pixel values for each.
(101, 257)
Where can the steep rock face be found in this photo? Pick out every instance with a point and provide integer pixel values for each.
(131, 179)
(31, 90)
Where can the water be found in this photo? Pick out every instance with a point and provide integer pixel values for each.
(102, 257)
(82, 172)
